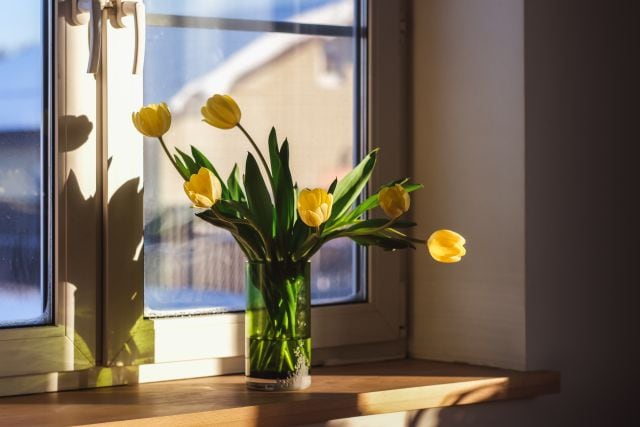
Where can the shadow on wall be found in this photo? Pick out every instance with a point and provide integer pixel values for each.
(77, 209)
(80, 209)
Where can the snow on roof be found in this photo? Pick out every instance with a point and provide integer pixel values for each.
(255, 55)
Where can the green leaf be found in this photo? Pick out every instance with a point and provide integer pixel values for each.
(184, 171)
(285, 197)
(304, 250)
(245, 222)
(412, 187)
(238, 210)
(202, 161)
(299, 234)
(245, 236)
(188, 161)
(258, 197)
(233, 184)
(274, 155)
(370, 203)
(385, 242)
(332, 187)
(375, 223)
(349, 188)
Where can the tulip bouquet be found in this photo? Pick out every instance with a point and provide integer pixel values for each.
(280, 227)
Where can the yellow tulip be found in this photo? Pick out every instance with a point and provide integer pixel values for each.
(446, 246)
(221, 111)
(314, 206)
(153, 120)
(394, 201)
(203, 188)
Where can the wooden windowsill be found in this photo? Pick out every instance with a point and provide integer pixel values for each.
(336, 392)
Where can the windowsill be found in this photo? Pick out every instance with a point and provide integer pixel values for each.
(336, 392)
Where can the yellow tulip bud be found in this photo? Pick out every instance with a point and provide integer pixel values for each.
(394, 201)
(203, 188)
(221, 111)
(446, 246)
(314, 206)
(153, 120)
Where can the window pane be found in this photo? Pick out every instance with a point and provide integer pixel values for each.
(23, 292)
(303, 84)
(320, 11)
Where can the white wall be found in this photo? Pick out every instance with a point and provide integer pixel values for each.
(581, 305)
(469, 145)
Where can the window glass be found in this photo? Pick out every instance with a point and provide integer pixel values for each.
(24, 293)
(323, 11)
(299, 79)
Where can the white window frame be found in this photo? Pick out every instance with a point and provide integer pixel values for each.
(34, 358)
(124, 346)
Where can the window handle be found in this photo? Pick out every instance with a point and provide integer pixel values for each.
(136, 9)
(94, 12)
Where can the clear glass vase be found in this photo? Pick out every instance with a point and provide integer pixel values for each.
(278, 326)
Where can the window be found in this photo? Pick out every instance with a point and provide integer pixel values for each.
(25, 138)
(290, 64)
(64, 179)
(106, 320)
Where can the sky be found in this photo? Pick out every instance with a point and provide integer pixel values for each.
(21, 27)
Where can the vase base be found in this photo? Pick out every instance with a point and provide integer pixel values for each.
(299, 382)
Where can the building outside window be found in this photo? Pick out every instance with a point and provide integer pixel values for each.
(98, 245)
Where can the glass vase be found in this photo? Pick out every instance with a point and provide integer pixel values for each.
(278, 326)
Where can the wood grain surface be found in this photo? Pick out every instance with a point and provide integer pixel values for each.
(336, 392)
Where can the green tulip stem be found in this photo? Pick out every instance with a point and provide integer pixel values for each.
(262, 159)
(173, 162)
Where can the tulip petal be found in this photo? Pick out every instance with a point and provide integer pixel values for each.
(394, 201)
(314, 206)
(153, 120)
(221, 111)
(446, 246)
(203, 188)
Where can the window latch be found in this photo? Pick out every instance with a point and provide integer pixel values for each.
(136, 9)
(95, 12)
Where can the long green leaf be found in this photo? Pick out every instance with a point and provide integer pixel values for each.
(246, 237)
(239, 214)
(285, 197)
(184, 171)
(372, 224)
(349, 188)
(233, 184)
(370, 203)
(332, 187)
(274, 155)
(202, 161)
(258, 196)
(385, 242)
(188, 161)
(299, 234)
(303, 252)
(409, 187)
(238, 209)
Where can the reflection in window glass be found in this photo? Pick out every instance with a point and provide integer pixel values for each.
(23, 296)
(303, 84)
